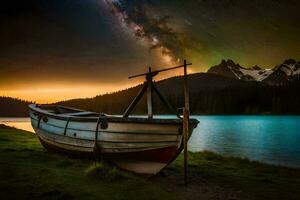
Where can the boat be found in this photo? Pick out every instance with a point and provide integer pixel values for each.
(143, 145)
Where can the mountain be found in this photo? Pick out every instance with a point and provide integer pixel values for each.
(288, 71)
(210, 93)
(12, 107)
(281, 74)
(227, 88)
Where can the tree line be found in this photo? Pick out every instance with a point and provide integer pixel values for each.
(209, 94)
(12, 107)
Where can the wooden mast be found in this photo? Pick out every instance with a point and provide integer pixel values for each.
(150, 87)
(186, 119)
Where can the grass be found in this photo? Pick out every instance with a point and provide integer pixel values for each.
(102, 172)
(256, 180)
(27, 171)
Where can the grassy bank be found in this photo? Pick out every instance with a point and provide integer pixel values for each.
(27, 171)
(217, 177)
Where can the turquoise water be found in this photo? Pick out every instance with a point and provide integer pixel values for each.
(269, 139)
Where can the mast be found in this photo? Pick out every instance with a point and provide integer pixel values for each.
(149, 87)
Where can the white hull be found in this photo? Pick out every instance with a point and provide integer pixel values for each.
(140, 147)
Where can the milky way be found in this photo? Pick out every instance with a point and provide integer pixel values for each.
(250, 32)
(55, 44)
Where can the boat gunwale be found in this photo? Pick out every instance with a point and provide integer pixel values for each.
(105, 131)
(109, 118)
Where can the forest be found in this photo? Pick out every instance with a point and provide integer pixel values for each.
(210, 94)
(12, 107)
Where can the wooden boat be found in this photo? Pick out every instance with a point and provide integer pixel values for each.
(142, 145)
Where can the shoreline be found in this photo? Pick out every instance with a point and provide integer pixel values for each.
(201, 114)
(27, 170)
(264, 142)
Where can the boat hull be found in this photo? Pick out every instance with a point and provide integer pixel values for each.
(142, 162)
(141, 147)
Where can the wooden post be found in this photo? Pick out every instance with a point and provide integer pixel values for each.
(186, 90)
(149, 94)
(186, 113)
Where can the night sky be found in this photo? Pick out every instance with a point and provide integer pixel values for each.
(58, 49)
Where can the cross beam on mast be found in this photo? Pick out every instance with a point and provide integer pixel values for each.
(154, 73)
(149, 87)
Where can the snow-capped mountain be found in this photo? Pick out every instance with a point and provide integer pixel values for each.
(280, 73)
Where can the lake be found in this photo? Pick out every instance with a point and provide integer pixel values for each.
(269, 139)
(20, 123)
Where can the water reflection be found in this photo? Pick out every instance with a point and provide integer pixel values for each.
(20, 123)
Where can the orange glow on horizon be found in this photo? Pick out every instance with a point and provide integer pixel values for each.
(52, 92)
(47, 94)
